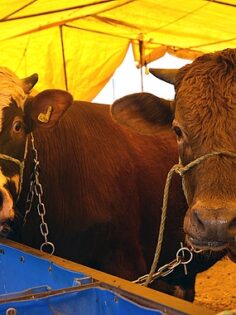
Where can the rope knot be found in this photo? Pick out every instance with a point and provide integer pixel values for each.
(179, 169)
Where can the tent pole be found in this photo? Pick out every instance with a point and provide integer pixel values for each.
(141, 62)
(63, 57)
(141, 78)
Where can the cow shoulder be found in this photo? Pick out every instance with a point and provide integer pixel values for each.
(47, 108)
(143, 112)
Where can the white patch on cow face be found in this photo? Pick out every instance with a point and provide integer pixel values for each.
(6, 206)
(11, 88)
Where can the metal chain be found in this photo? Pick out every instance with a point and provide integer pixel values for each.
(166, 269)
(36, 189)
(30, 198)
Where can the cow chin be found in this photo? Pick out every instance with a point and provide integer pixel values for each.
(5, 229)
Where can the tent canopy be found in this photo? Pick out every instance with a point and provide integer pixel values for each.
(77, 45)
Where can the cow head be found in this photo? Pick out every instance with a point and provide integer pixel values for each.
(19, 114)
(203, 116)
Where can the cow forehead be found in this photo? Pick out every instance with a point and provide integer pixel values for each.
(11, 88)
(208, 84)
(206, 96)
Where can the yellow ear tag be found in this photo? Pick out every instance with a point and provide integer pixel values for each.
(44, 118)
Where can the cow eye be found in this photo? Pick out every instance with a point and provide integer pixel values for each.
(178, 131)
(17, 126)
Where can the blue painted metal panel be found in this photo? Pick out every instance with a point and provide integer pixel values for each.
(23, 272)
(91, 301)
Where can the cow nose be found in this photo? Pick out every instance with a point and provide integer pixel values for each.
(6, 205)
(211, 224)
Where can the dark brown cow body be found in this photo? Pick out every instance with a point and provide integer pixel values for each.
(203, 116)
(102, 186)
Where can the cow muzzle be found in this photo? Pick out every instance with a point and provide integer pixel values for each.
(6, 206)
(210, 228)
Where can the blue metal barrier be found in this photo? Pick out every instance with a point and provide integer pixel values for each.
(31, 284)
(91, 301)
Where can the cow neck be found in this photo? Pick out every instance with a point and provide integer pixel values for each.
(19, 163)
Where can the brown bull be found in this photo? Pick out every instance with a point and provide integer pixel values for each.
(102, 183)
(203, 116)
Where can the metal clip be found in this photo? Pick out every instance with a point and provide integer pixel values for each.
(184, 262)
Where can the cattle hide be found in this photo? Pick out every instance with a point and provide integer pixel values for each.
(102, 189)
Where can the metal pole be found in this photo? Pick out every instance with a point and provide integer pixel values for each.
(141, 77)
(113, 89)
(63, 58)
(141, 62)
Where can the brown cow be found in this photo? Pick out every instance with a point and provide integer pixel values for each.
(102, 183)
(203, 117)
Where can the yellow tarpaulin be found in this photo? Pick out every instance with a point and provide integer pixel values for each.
(77, 45)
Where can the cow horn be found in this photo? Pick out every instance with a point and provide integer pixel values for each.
(29, 82)
(167, 75)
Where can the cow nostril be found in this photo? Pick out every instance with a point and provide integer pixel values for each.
(232, 225)
(6, 205)
(197, 221)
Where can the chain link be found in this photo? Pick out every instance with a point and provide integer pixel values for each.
(29, 200)
(36, 189)
(165, 270)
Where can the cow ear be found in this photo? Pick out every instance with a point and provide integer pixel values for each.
(46, 108)
(143, 112)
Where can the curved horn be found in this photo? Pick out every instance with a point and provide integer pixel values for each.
(29, 82)
(167, 75)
